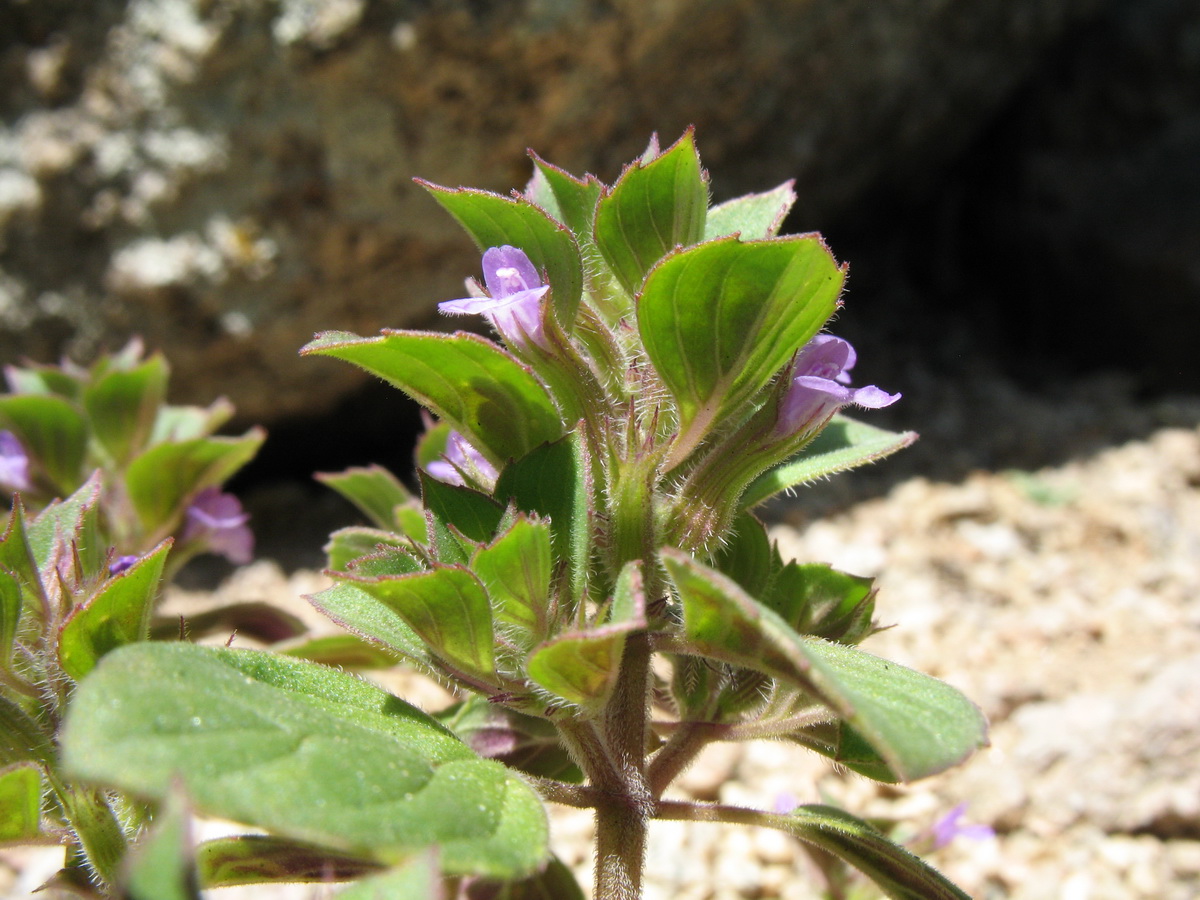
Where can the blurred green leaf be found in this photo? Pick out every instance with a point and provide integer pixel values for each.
(301, 750)
(117, 614)
(161, 480)
(266, 859)
(22, 739)
(483, 392)
(373, 489)
(20, 802)
(721, 319)
(918, 724)
(555, 882)
(54, 434)
(161, 866)
(901, 875)
(653, 208)
(753, 216)
(185, 423)
(122, 407)
(843, 444)
(493, 221)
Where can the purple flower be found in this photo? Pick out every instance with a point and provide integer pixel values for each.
(946, 829)
(122, 564)
(820, 375)
(14, 463)
(514, 306)
(460, 457)
(219, 521)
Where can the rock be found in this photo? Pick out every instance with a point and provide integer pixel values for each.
(227, 178)
(1091, 196)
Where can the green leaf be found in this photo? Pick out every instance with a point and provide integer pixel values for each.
(747, 555)
(555, 481)
(357, 611)
(96, 830)
(348, 544)
(653, 208)
(581, 667)
(53, 432)
(526, 743)
(118, 614)
(489, 397)
(845, 746)
(516, 570)
(64, 522)
(162, 479)
(475, 515)
(20, 802)
(161, 864)
(493, 221)
(301, 750)
(918, 724)
(122, 407)
(901, 875)
(22, 739)
(10, 616)
(448, 608)
(818, 599)
(16, 556)
(266, 859)
(576, 198)
(843, 444)
(373, 489)
(753, 216)
(721, 319)
(344, 651)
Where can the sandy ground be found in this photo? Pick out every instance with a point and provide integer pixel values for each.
(1060, 597)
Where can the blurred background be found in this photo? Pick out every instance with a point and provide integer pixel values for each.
(1015, 183)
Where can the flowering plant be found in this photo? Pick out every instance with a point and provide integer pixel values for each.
(585, 509)
(105, 478)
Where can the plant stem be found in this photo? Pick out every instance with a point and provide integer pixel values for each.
(625, 807)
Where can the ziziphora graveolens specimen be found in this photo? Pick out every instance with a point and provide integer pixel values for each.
(659, 368)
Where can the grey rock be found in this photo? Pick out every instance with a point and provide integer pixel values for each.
(226, 177)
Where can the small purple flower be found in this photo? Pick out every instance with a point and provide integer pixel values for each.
(514, 304)
(122, 564)
(218, 520)
(460, 457)
(946, 829)
(820, 375)
(14, 463)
